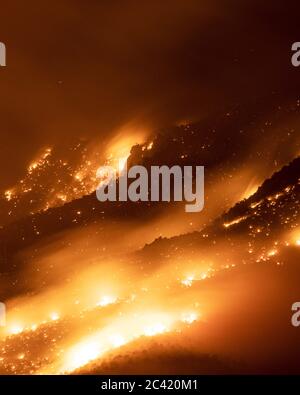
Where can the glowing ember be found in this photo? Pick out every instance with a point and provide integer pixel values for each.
(106, 300)
(256, 204)
(272, 252)
(189, 318)
(54, 316)
(188, 281)
(149, 146)
(8, 195)
(15, 329)
(234, 222)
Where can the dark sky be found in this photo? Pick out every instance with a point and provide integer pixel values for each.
(84, 68)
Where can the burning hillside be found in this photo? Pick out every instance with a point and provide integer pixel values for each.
(174, 289)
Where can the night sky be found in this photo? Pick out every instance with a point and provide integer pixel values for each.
(83, 70)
